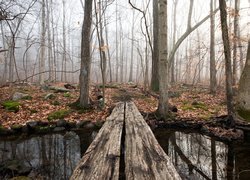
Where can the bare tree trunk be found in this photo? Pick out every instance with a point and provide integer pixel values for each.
(227, 53)
(5, 56)
(42, 51)
(146, 81)
(108, 50)
(103, 59)
(174, 39)
(200, 59)
(116, 43)
(243, 94)
(213, 82)
(85, 55)
(155, 53)
(130, 79)
(53, 42)
(235, 40)
(163, 59)
(121, 54)
(50, 58)
(63, 75)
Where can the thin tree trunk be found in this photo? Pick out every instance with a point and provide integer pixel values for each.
(213, 82)
(50, 59)
(227, 53)
(5, 56)
(42, 51)
(53, 42)
(63, 75)
(108, 50)
(121, 55)
(235, 40)
(116, 43)
(103, 60)
(146, 81)
(174, 39)
(130, 79)
(200, 59)
(155, 54)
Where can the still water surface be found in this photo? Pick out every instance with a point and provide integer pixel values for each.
(54, 156)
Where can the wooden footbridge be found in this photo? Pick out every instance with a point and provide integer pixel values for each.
(125, 148)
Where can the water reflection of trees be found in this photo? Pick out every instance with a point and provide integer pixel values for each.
(53, 156)
(196, 156)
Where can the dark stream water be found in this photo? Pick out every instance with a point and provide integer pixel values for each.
(54, 156)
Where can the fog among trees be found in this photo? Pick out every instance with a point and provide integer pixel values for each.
(42, 41)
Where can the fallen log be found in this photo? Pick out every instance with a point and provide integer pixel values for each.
(102, 158)
(144, 157)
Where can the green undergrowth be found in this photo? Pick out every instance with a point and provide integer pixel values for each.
(12, 106)
(245, 114)
(33, 111)
(67, 94)
(194, 106)
(75, 106)
(61, 114)
(27, 97)
(55, 103)
(114, 86)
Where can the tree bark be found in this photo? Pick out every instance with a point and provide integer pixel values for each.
(155, 55)
(213, 82)
(85, 55)
(130, 79)
(116, 43)
(63, 75)
(244, 84)
(42, 51)
(174, 39)
(235, 40)
(227, 53)
(163, 59)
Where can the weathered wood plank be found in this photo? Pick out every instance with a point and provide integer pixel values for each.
(144, 157)
(102, 158)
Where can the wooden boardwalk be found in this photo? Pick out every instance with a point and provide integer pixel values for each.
(125, 145)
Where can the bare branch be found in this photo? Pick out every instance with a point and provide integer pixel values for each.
(145, 23)
(185, 35)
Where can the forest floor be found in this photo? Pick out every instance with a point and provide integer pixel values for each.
(194, 105)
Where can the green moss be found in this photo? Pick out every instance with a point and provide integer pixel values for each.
(27, 97)
(77, 107)
(56, 103)
(32, 111)
(12, 106)
(195, 106)
(16, 126)
(185, 102)
(200, 106)
(245, 114)
(43, 129)
(114, 86)
(67, 94)
(187, 107)
(206, 116)
(58, 114)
